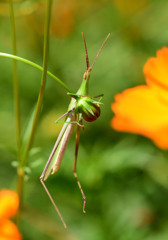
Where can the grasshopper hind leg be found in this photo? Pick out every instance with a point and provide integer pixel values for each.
(55, 206)
(74, 167)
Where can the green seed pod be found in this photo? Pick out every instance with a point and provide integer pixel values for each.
(89, 109)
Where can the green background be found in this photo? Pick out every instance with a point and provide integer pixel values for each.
(124, 176)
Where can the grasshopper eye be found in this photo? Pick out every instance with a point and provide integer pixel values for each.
(89, 109)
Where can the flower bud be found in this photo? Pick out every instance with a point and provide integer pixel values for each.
(89, 109)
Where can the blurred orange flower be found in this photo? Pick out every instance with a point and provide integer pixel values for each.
(156, 72)
(9, 203)
(144, 109)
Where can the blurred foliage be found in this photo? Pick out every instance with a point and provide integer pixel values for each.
(124, 176)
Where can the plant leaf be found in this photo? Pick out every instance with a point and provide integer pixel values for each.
(27, 131)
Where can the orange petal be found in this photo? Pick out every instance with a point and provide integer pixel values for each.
(139, 110)
(9, 203)
(9, 231)
(156, 72)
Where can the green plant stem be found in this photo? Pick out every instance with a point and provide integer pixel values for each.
(36, 66)
(43, 81)
(20, 176)
(15, 79)
(20, 184)
(38, 108)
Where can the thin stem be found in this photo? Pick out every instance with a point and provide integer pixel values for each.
(15, 79)
(36, 66)
(20, 175)
(43, 81)
(20, 183)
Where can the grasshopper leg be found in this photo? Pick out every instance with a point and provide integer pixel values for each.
(74, 166)
(48, 193)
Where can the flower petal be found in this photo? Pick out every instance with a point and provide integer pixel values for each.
(9, 203)
(156, 72)
(9, 231)
(139, 110)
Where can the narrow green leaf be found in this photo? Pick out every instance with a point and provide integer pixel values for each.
(34, 151)
(36, 163)
(27, 131)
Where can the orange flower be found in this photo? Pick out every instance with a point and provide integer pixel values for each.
(144, 109)
(156, 72)
(9, 203)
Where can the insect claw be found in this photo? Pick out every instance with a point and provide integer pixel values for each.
(80, 125)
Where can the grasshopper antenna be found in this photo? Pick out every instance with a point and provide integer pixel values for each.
(100, 50)
(87, 58)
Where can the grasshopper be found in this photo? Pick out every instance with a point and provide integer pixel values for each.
(81, 107)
